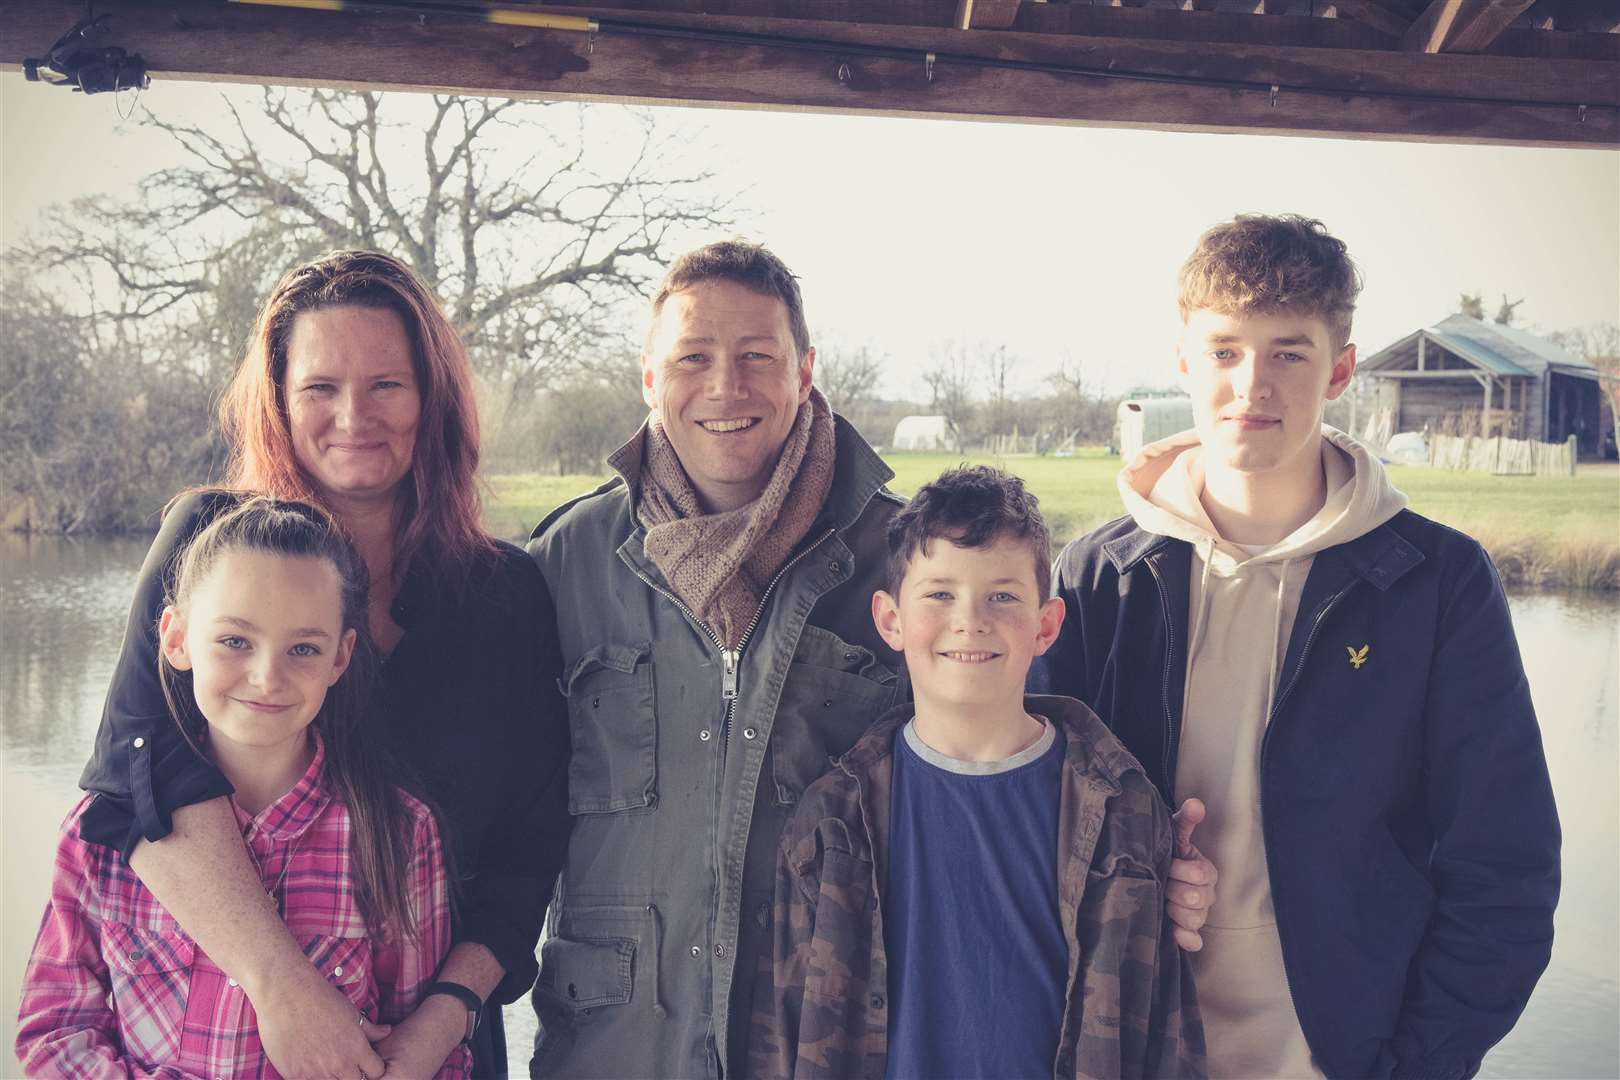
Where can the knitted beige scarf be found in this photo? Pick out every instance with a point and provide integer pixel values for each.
(720, 564)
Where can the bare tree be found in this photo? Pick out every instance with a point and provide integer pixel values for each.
(533, 230)
(998, 368)
(1077, 409)
(529, 232)
(950, 386)
(847, 376)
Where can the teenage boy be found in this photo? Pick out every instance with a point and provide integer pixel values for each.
(978, 887)
(1336, 677)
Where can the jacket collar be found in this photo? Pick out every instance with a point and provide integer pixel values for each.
(288, 817)
(858, 475)
(1381, 556)
(1096, 761)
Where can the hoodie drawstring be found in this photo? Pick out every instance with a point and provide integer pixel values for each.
(657, 947)
(1276, 635)
(1195, 634)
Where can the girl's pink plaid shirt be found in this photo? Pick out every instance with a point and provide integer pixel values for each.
(116, 988)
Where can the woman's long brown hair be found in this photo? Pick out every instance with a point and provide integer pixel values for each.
(358, 768)
(441, 513)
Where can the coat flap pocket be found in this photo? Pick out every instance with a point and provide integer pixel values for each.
(138, 951)
(587, 972)
(610, 657)
(822, 649)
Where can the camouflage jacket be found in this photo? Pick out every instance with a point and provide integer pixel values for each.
(821, 1007)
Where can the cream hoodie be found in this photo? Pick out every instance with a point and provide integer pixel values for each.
(1242, 606)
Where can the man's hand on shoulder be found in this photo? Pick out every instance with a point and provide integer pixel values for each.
(1191, 891)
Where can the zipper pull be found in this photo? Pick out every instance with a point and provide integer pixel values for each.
(728, 679)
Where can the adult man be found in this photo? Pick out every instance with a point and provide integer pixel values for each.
(718, 648)
(1336, 677)
(714, 609)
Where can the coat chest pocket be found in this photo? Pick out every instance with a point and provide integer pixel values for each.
(834, 691)
(614, 730)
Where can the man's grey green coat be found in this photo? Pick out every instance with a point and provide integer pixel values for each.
(678, 792)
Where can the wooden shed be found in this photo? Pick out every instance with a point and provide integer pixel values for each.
(1465, 376)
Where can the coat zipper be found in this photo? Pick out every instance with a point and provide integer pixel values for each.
(731, 659)
(1265, 741)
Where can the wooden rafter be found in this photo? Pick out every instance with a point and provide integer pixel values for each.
(872, 57)
(1466, 26)
(993, 14)
(1375, 14)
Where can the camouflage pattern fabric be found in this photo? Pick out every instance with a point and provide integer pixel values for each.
(821, 997)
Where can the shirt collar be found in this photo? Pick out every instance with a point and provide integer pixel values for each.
(286, 819)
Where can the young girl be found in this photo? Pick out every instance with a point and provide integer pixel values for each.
(265, 666)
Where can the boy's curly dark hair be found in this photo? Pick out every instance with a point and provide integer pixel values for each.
(973, 507)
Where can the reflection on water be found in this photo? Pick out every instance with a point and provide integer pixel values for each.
(62, 610)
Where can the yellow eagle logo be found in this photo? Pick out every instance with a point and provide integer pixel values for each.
(1357, 656)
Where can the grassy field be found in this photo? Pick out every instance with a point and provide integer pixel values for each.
(1551, 532)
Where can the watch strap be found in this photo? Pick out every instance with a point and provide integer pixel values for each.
(465, 995)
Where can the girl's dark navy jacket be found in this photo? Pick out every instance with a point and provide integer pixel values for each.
(1410, 831)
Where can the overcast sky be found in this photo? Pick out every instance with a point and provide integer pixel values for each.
(1057, 242)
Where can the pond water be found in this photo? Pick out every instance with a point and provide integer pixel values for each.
(62, 610)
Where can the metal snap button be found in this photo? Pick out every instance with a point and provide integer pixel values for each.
(596, 703)
(233, 982)
(719, 950)
(337, 969)
(136, 955)
(877, 1001)
(704, 735)
(139, 742)
(749, 733)
(835, 566)
(696, 951)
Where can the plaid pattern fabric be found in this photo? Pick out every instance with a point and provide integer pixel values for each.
(116, 988)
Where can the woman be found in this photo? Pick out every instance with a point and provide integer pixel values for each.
(355, 394)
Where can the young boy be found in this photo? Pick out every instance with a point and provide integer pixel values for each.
(978, 887)
(1336, 677)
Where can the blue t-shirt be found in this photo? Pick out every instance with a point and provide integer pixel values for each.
(977, 961)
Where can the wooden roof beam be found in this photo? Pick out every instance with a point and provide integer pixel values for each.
(843, 66)
(1467, 26)
(986, 14)
(1374, 14)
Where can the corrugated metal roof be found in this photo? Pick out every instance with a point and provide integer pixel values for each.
(1519, 347)
(1500, 350)
(1484, 353)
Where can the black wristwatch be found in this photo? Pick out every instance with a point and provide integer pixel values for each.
(464, 995)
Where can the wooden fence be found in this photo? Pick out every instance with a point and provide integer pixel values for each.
(1502, 456)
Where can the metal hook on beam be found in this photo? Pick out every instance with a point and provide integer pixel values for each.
(928, 66)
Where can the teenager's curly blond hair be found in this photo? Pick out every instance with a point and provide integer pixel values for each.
(1259, 263)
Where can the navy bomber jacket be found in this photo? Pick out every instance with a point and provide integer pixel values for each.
(1409, 822)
